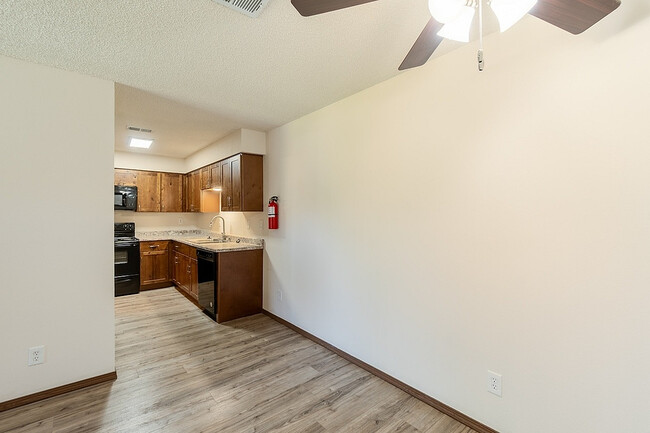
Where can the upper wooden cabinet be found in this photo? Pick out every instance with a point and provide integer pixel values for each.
(157, 192)
(239, 178)
(148, 183)
(171, 192)
(242, 183)
(125, 177)
(206, 178)
(193, 185)
(215, 175)
(211, 176)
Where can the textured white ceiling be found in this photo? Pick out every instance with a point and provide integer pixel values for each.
(178, 129)
(256, 73)
(209, 69)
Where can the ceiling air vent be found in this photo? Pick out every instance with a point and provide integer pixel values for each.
(135, 128)
(252, 8)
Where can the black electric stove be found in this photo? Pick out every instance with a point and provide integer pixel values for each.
(127, 259)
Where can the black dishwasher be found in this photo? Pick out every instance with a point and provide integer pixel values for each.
(207, 264)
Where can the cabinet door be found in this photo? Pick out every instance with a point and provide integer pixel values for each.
(252, 179)
(206, 179)
(125, 177)
(194, 278)
(148, 183)
(175, 267)
(182, 273)
(171, 192)
(226, 185)
(196, 191)
(235, 172)
(154, 268)
(215, 175)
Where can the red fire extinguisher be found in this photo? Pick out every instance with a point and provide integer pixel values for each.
(273, 212)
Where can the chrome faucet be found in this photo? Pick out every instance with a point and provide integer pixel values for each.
(223, 223)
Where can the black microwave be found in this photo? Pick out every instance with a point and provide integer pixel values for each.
(126, 197)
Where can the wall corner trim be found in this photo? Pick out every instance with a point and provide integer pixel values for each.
(59, 390)
(447, 410)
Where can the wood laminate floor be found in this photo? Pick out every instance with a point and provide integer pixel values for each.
(178, 371)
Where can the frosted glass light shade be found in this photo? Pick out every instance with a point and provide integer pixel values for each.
(459, 28)
(445, 11)
(508, 12)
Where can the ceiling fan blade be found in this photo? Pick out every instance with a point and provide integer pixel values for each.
(424, 46)
(574, 16)
(314, 7)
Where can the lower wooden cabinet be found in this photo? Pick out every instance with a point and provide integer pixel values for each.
(239, 279)
(185, 269)
(154, 264)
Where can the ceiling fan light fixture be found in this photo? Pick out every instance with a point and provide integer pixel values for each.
(458, 29)
(508, 12)
(445, 11)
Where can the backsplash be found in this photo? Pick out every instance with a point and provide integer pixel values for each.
(246, 224)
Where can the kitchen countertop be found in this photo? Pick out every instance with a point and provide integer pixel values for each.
(229, 242)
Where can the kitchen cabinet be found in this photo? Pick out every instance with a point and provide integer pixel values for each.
(193, 185)
(242, 183)
(206, 178)
(125, 177)
(215, 175)
(157, 192)
(171, 192)
(239, 177)
(239, 284)
(154, 264)
(185, 269)
(211, 176)
(148, 183)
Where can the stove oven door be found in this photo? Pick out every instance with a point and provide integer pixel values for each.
(127, 258)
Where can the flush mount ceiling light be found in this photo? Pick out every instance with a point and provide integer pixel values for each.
(452, 19)
(141, 143)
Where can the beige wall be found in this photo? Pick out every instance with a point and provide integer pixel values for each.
(56, 173)
(242, 140)
(141, 161)
(447, 222)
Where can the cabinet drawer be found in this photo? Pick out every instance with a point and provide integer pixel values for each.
(153, 246)
(184, 249)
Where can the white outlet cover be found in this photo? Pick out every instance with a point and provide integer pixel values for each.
(494, 383)
(36, 355)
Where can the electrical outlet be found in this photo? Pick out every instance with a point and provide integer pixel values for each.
(36, 355)
(494, 383)
(279, 293)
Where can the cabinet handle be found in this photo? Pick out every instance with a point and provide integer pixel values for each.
(153, 246)
(176, 260)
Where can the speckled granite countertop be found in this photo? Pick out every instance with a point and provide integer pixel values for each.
(224, 243)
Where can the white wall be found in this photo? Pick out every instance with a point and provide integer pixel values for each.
(145, 221)
(56, 174)
(447, 222)
(242, 140)
(140, 161)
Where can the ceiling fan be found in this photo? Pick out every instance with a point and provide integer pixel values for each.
(574, 16)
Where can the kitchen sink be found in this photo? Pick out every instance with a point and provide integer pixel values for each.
(205, 240)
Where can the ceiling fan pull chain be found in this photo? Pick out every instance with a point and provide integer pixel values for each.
(480, 35)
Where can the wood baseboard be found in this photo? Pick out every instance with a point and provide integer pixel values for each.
(447, 410)
(63, 389)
